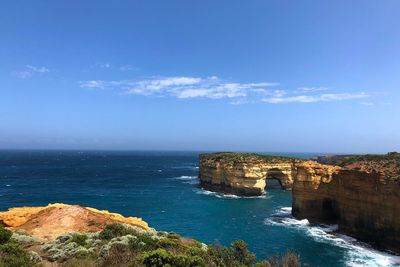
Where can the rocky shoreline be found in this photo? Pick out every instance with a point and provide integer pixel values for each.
(361, 193)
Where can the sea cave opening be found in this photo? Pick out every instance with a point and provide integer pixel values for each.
(275, 179)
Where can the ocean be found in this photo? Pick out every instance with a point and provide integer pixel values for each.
(163, 189)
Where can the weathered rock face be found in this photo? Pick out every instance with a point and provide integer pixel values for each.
(244, 174)
(55, 219)
(362, 195)
(363, 198)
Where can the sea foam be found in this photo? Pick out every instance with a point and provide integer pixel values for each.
(229, 196)
(357, 253)
(186, 179)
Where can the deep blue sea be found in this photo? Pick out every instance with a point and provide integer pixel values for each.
(162, 188)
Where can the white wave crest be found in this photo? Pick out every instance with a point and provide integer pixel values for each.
(358, 253)
(228, 196)
(186, 177)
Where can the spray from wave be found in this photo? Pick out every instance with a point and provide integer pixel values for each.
(186, 179)
(228, 196)
(358, 253)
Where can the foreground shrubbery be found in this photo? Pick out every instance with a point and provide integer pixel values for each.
(12, 254)
(123, 245)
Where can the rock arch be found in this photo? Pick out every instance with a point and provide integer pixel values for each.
(279, 175)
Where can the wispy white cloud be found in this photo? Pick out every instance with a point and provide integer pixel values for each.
(182, 87)
(213, 87)
(111, 66)
(29, 71)
(37, 69)
(314, 98)
(312, 89)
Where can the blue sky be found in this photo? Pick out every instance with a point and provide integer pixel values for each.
(285, 76)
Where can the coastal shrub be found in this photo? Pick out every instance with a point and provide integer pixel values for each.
(12, 255)
(116, 230)
(173, 235)
(79, 262)
(121, 255)
(113, 230)
(5, 235)
(80, 239)
(290, 259)
(163, 258)
(242, 254)
(236, 255)
(143, 242)
(168, 243)
(262, 264)
(25, 239)
(222, 256)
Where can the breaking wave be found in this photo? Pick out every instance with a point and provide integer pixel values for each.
(357, 253)
(186, 179)
(228, 196)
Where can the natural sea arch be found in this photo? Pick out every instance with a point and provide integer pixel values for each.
(275, 178)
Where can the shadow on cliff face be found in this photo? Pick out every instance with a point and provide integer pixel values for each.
(275, 179)
(273, 184)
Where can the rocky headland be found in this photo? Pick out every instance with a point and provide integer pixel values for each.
(360, 193)
(247, 174)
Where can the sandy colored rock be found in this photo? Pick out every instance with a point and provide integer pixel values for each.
(362, 197)
(56, 219)
(247, 174)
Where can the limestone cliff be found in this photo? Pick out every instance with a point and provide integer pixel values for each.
(56, 219)
(247, 174)
(362, 197)
(244, 174)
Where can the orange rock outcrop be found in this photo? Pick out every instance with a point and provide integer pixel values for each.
(55, 219)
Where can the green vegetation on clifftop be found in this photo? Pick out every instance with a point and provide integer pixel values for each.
(236, 156)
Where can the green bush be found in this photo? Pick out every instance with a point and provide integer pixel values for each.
(262, 264)
(147, 240)
(290, 259)
(163, 258)
(11, 255)
(113, 230)
(242, 254)
(120, 255)
(173, 235)
(167, 243)
(79, 239)
(86, 262)
(158, 258)
(5, 235)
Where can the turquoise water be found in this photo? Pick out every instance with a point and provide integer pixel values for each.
(162, 188)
